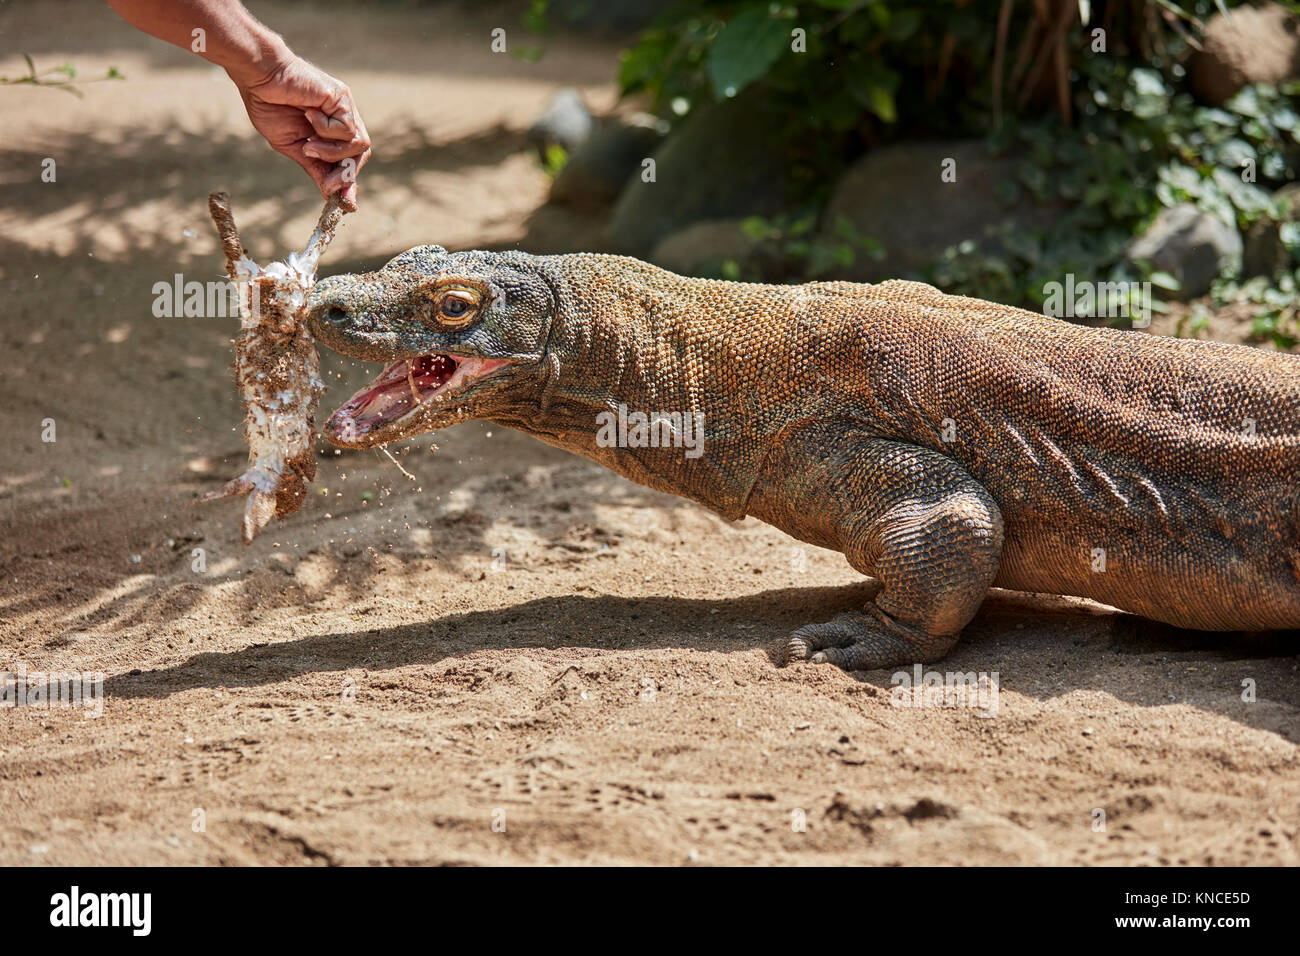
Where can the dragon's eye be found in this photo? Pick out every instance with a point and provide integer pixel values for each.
(456, 307)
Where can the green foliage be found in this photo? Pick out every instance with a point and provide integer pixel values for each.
(1194, 322)
(844, 72)
(853, 54)
(1275, 304)
(792, 247)
(61, 77)
(1254, 135)
(745, 48)
(1141, 143)
(554, 160)
(535, 20)
(876, 71)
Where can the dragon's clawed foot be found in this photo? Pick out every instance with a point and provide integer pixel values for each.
(855, 641)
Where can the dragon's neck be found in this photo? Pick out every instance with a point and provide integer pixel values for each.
(625, 383)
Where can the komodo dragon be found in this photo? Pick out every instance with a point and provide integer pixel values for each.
(943, 444)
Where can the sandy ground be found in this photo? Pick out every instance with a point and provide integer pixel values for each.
(517, 658)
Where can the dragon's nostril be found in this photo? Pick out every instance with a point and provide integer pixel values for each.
(336, 314)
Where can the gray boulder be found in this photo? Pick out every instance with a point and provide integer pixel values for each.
(598, 169)
(898, 196)
(1191, 245)
(720, 163)
(702, 247)
(566, 122)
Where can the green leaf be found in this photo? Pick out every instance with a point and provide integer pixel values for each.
(1249, 199)
(1286, 118)
(843, 228)
(758, 228)
(903, 24)
(872, 87)
(1246, 103)
(746, 49)
(1289, 232)
(534, 18)
(554, 161)
(641, 62)
(802, 226)
(882, 104)
(1148, 97)
(1145, 82)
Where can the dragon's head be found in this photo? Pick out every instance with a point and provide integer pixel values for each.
(462, 335)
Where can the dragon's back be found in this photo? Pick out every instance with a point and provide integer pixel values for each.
(1130, 467)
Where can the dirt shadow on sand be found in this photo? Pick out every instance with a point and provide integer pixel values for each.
(1085, 644)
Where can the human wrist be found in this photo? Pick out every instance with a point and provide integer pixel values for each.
(260, 55)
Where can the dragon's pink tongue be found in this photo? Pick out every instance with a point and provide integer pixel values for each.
(390, 395)
(387, 402)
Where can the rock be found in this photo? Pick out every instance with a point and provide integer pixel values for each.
(1191, 245)
(1251, 45)
(1264, 253)
(722, 162)
(598, 169)
(701, 248)
(566, 122)
(896, 196)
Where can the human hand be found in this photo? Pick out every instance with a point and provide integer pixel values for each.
(309, 116)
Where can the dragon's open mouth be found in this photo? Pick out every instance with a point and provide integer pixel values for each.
(400, 391)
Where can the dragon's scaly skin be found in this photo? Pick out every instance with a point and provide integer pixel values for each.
(943, 444)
